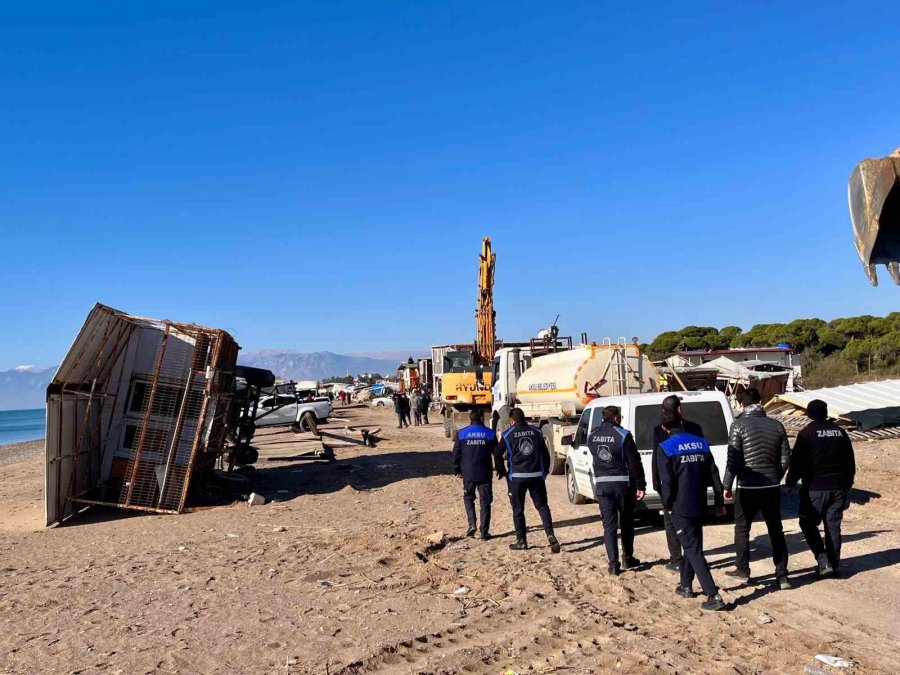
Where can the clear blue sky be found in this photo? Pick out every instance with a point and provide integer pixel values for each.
(319, 175)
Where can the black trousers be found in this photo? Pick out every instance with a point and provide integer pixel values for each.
(401, 420)
(485, 497)
(425, 416)
(828, 506)
(747, 504)
(690, 534)
(672, 541)
(538, 491)
(617, 510)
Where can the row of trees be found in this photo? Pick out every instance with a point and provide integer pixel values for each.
(867, 342)
(368, 378)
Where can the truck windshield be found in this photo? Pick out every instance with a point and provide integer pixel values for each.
(459, 362)
(708, 414)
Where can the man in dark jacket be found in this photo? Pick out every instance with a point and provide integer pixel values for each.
(823, 459)
(758, 456)
(473, 458)
(424, 402)
(686, 470)
(398, 409)
(529, 461)
(660, 433)
(618, 483)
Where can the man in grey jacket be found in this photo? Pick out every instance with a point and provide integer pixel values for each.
(758, 456)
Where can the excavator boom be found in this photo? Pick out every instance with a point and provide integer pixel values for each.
(485, 316)
(874, 196)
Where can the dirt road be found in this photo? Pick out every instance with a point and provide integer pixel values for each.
(343, 573)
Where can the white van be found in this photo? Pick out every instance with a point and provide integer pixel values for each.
(640, 414)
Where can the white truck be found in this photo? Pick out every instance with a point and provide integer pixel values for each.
(553, 390)
(287, 410)
(640, 414)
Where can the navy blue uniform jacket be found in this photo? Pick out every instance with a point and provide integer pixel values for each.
(474, 452)
(686, 470)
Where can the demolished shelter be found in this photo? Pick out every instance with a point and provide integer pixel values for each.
(135, 409)
(869, 409)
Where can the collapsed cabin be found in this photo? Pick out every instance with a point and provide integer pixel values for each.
(135, 409)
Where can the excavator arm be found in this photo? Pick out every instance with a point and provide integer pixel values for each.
(874, 196)
(485, 316)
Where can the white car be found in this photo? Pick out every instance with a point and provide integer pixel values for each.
(640, 414)
(281, 410)
(383, 402)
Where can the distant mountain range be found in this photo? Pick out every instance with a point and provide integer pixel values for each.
(24, 387)
(293, 365)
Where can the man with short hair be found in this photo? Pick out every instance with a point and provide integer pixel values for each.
(660, 433)
(424, 402)
(823, 460)
(686, 470)
(473, 455)
(758, 456)
(618, 483)
(523, 447)
(414, 406)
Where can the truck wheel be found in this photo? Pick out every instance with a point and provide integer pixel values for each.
(309, 423)
(572, 487)
(557, 463)
(447, 426)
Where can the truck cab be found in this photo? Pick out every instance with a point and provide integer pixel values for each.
(640, 414)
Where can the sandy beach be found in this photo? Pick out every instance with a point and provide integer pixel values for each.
(359, 565)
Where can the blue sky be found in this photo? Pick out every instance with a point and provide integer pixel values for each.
(319, 175)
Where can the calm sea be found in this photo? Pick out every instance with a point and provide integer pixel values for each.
(21, 425)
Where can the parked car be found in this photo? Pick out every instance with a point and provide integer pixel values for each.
(640, 414)
(282, 410)
(383, 401)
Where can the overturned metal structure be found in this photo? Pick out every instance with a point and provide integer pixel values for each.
(874, 196)
(135, 409)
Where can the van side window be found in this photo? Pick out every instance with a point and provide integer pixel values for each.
(582, 431)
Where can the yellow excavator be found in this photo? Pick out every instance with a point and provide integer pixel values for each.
(466, 383)
(874, 196)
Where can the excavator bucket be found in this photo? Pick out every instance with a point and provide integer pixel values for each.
(874, 195)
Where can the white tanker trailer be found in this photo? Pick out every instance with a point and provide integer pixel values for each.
(552, 390)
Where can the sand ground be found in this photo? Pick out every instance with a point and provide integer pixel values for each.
(343, 573)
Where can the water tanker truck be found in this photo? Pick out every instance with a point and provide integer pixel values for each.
(553, 389)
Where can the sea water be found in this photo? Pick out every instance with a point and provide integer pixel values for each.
(21, 425)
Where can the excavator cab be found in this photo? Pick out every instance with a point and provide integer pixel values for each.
(874, 196)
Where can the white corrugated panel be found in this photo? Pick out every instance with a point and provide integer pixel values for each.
(849, 398)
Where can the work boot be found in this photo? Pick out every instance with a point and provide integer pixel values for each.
(739, 574)
(825, 569)
(674, 566)
(630, 561)
(684, 592)
(471, 531)
(554, 543)
(520, 545)
(784, 583)
(713, 603)
(614, 569)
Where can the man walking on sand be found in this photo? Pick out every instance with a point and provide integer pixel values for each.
(474, 455)
(523, 447)
(758, 456)
(823, 459)
(618, 484)
(660, 433)
(686, 470)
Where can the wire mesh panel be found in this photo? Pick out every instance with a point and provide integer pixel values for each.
(174, 400)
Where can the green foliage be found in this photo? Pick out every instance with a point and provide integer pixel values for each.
(858, 344)
(831, 371)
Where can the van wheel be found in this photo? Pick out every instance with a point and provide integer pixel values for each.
(572, 488)
(557, 462)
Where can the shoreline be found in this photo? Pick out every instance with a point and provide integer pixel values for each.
(10, 453)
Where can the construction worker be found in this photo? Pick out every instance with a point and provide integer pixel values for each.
(523, 447)
(823, 459)
(660, 433)
(758, 456)
(618, 484)
(473, 458)
(686, 470)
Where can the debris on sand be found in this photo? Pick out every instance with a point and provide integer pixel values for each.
(256, 500)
